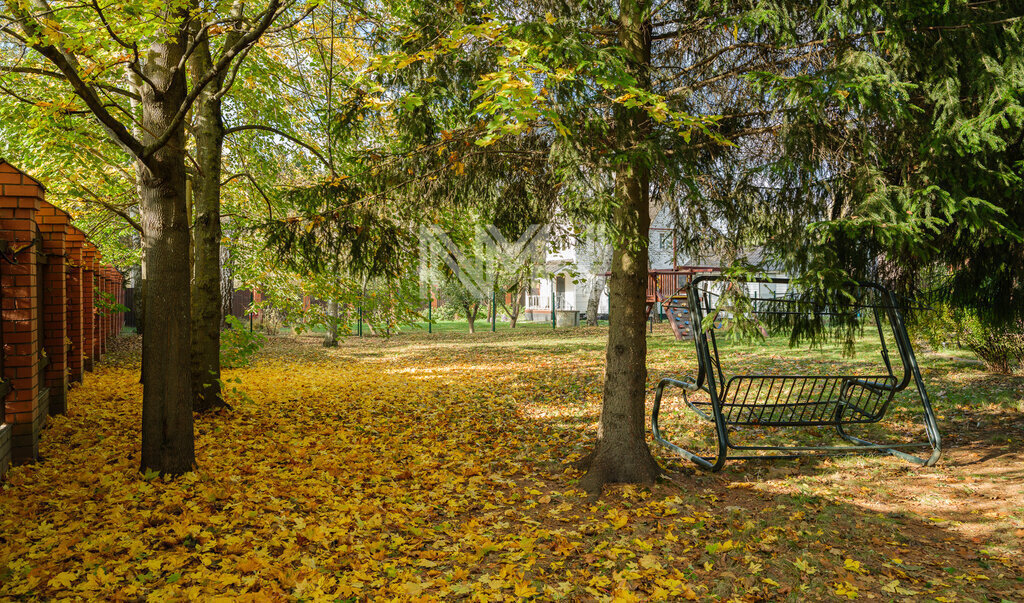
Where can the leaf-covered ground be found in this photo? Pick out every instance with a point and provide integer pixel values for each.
(426, 468)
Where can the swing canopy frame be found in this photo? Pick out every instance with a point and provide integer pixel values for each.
(840, 400)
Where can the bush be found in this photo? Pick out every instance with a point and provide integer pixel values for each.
(447, 312)
(238, 345)
(1000, 348)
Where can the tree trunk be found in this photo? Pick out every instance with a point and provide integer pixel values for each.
(168, 441)
(140, 293)
(331, 338)
(471, 312)
(621, 453)
(227, 285)
(594, 301)
(516, 307)
(140, 297)
(206, 295)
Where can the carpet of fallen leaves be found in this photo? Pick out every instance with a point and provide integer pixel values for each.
(425, 468)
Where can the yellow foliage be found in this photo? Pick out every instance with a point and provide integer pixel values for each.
(382, 472)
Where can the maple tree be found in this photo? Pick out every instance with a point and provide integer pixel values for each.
(148, 46)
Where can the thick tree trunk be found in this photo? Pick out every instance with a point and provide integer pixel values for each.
(621, 453)
(168, 441)
(206, 294)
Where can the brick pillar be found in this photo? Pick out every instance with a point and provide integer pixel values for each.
(20, 197)
(88, 309)
(119, 290)
(53, 224)
(118, 293)
(111, 316)
(102, 310)
(75, 239)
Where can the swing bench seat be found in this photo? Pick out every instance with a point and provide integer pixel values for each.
(770, 401)
(800, 400)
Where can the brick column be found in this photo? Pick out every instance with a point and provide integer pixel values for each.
(111, 316)
(20, 197)
(119, 296)
(102, 312)
(53, 224)
(74, 240)
(119, 290)
(88, 310)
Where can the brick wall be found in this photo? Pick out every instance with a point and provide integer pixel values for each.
(20, 198)
(48, 331)
(88, 309)
(75, 241)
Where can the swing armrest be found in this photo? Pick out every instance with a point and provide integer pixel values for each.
(687, 385)
(875, 386)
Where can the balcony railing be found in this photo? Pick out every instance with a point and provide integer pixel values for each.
(543, 302)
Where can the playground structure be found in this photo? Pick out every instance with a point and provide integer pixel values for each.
(769, 400)
(670, 288)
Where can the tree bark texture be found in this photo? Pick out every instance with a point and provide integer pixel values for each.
(621, 453)
(168, 441)
(208, 131)
(594, 301)
(471, 316)
(331, 338)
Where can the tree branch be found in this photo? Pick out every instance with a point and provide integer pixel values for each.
(68, 66)
(277, 132)
(273, 11)
(60, 76)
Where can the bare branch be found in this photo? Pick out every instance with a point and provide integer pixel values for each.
(285, 135)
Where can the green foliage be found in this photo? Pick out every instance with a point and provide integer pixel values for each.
(447, 311)
(238, 345)
(912, 143)
(106, 303)
(1001, 348)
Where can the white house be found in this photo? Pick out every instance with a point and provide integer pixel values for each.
(572, 272)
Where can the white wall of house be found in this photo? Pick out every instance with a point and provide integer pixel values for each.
(582, 261)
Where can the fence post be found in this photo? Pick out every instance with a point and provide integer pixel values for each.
(552, 303)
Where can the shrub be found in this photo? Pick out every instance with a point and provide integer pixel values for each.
(238, 345)
(1001, 348)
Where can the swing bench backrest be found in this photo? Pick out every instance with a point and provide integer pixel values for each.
(794, 400)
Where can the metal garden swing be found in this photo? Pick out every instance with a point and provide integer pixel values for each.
(786, 400)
